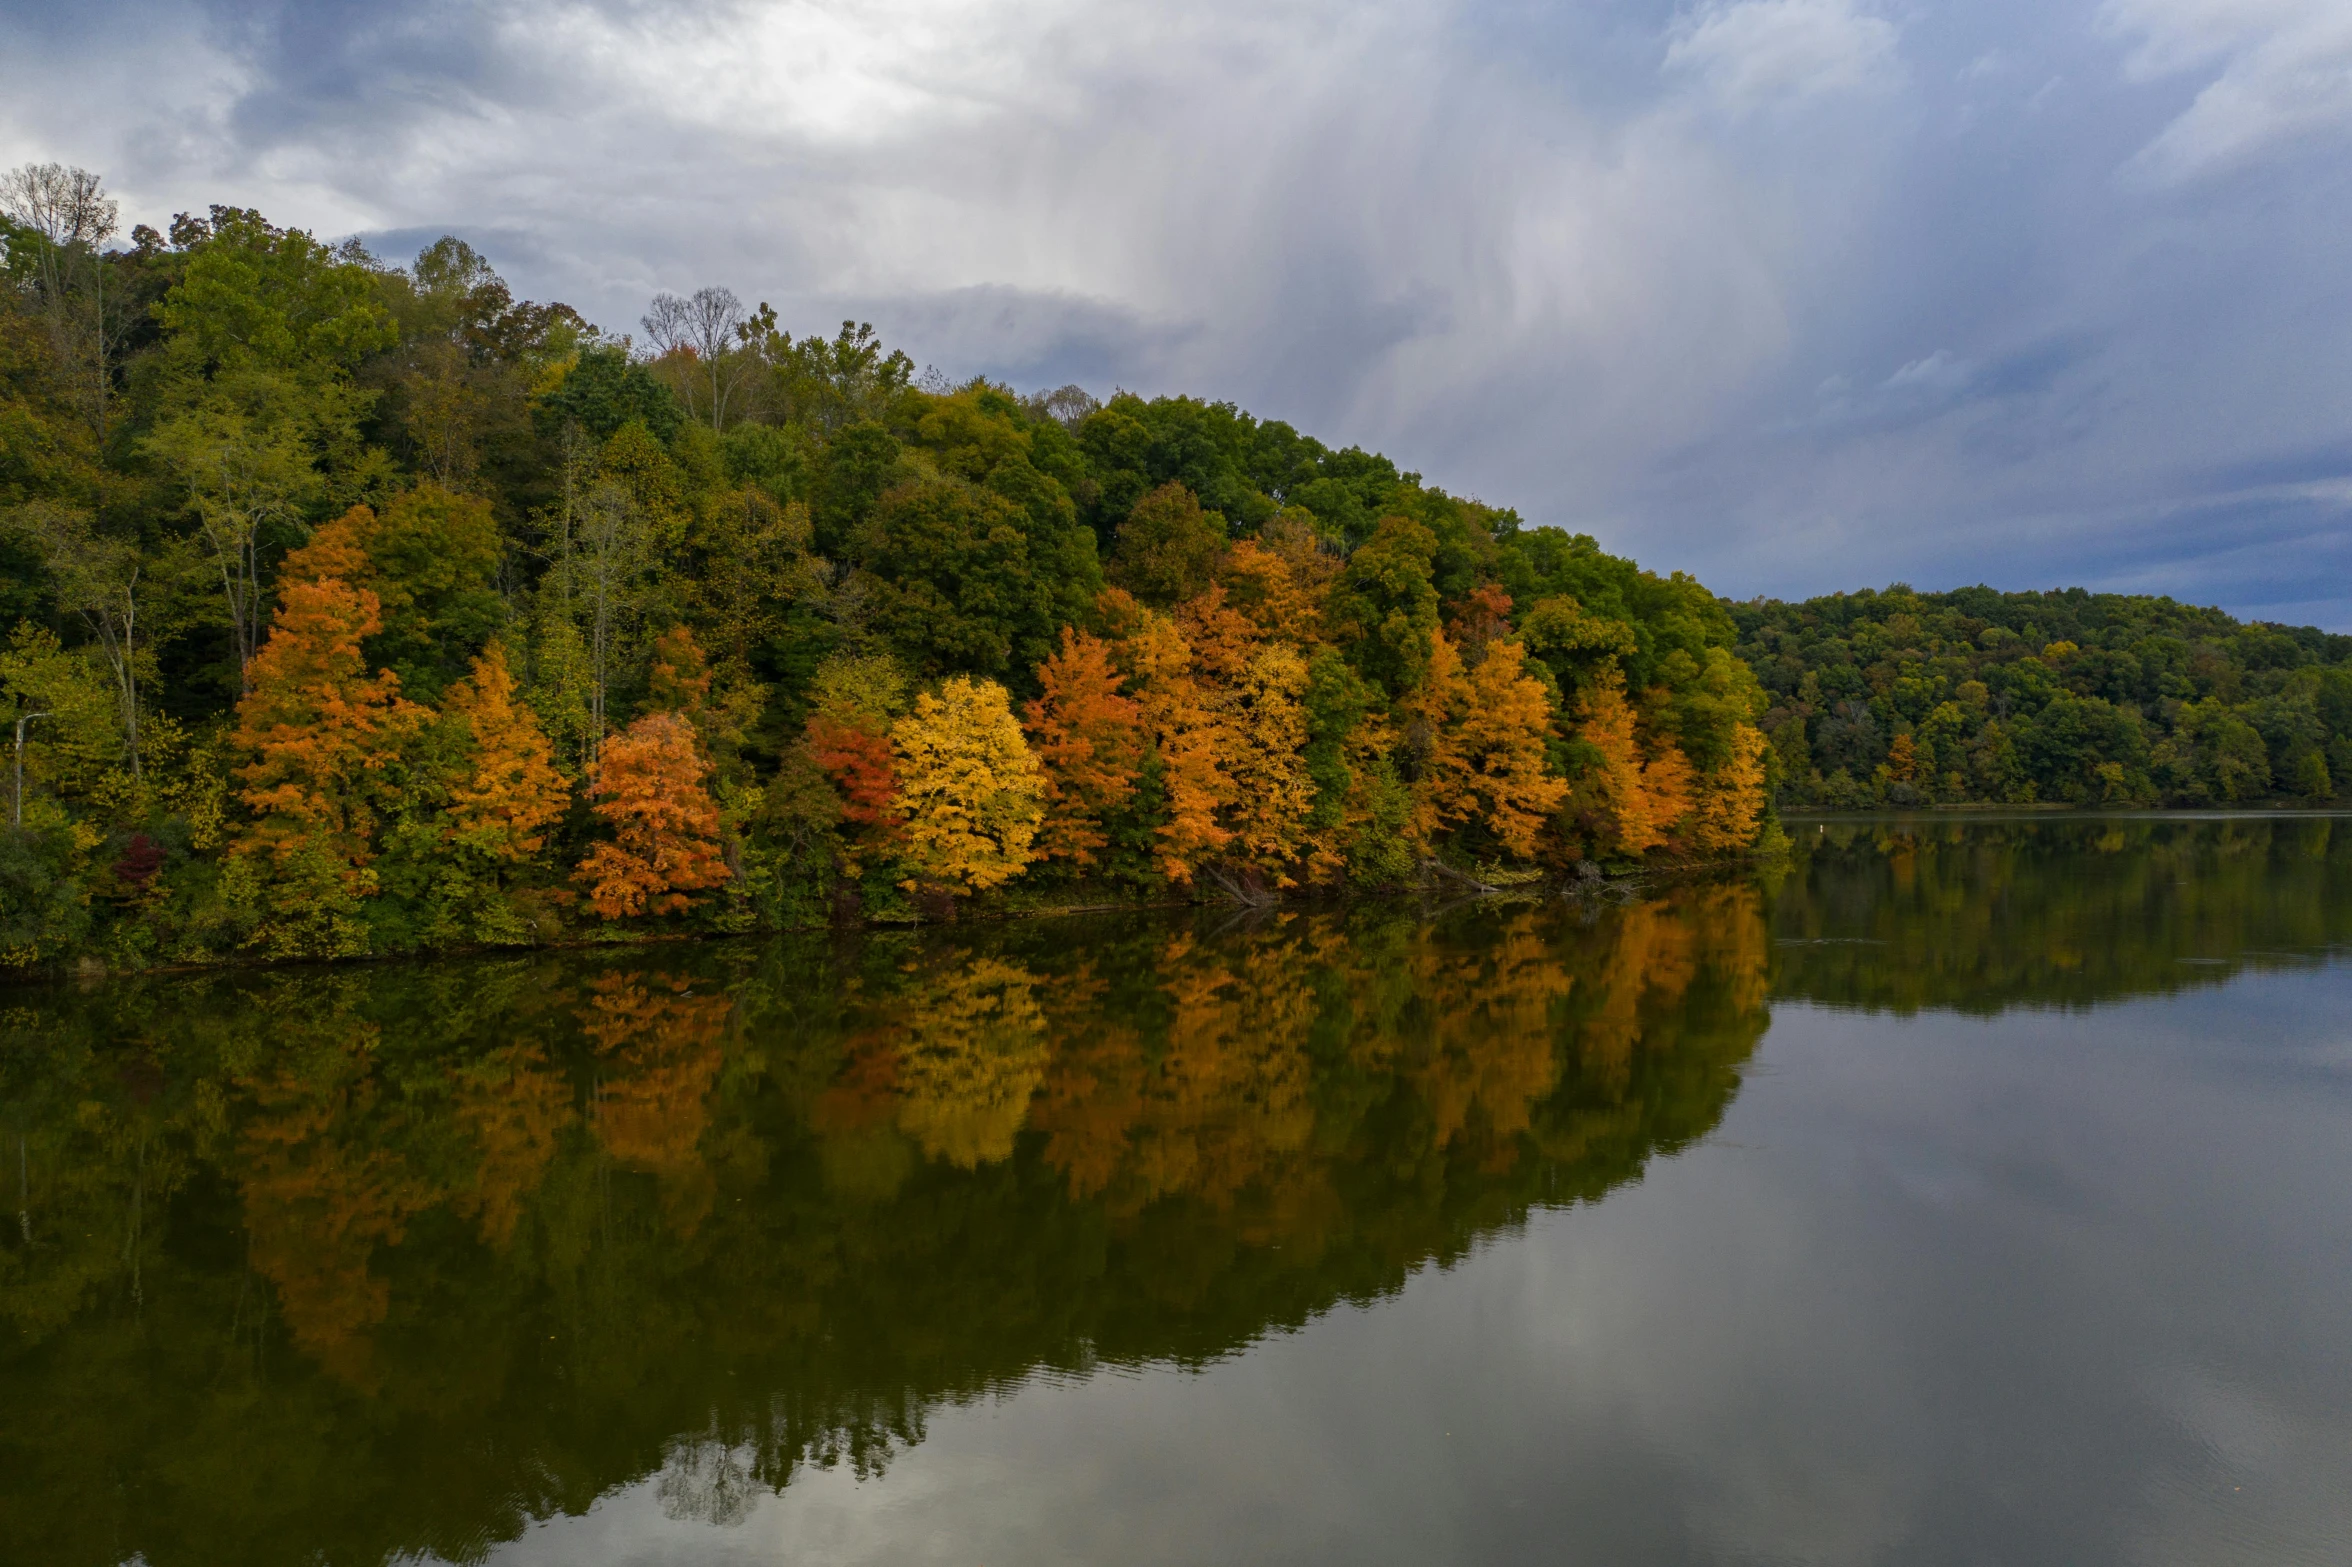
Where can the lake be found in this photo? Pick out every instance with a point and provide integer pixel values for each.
(1966, 1190)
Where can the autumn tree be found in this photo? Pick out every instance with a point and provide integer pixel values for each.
(648, 784)
(1156, 660)
(323, 737)
(1484, 758)
(1728, 800)
(1089, 742)
(1636, 800)
(1263, 727)
(848, 738)
(1902, 763)
(970, 790)
(511, 792)
(1279, 578)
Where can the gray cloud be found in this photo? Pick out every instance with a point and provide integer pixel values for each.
(1796, 294)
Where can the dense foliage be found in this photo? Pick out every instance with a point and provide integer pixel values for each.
(355, 608)
(379, 1264)
(1904, 698)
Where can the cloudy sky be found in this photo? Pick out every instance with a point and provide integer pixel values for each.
(1793, 294)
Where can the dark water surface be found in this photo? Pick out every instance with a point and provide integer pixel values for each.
(1973, 1191)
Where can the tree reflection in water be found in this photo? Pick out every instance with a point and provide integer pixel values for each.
(1904, 914)
(347, 1265)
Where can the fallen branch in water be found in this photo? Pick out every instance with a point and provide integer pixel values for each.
(1443, 869)
(1250, 893)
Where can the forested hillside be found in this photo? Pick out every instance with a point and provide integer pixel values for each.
(357, 608)
(1904, 698)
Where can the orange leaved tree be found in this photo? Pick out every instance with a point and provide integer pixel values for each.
(1643, 797)
(1089, 741)
(323, 735)
(857, 761)
(849, 739)
(1157, 660)
(511, 792)
(1487, 730)
(648, 783)
(681, 679)
(969, 788)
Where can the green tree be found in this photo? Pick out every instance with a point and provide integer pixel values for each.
(1168, 547)
(604, 390)
(944, 569)
(1384, 605)
(434, 557)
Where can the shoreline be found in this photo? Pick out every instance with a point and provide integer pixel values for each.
(2037, 810)
(1620, 887)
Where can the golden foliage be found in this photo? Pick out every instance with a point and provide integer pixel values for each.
(1265, 724)
(972, 1052)
(1278, 579)
(1640, 799)
(969, 789)
(1728, 802)
(512, 792)
(1158, 662)
(1902, 763)
(1485, 761)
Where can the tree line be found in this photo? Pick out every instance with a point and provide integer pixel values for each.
(1904, 698)
(359, 608)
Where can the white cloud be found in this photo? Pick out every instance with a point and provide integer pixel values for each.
(2285, 73)
(1938, 372)
(1757, 54)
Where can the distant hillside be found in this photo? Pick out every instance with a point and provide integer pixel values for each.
(1906, 698)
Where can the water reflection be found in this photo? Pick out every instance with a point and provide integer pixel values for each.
(340, 1265)
(373, 1264)
(1979, 916)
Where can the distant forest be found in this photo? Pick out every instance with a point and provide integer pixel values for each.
(1902, 698)
(353, 607)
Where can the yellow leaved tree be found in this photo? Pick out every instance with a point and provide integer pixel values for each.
(1487, 729)
(969, 788)
(1640, 799)
(1729, 802)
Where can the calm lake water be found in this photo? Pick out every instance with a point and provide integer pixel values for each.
(1972, 1191)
